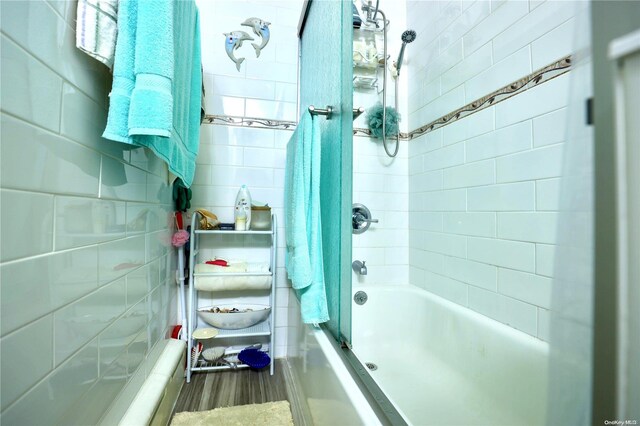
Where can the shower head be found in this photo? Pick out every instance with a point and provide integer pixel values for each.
(407, 37)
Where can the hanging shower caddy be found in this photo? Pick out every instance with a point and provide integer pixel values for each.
(372, 25)
(366, 56)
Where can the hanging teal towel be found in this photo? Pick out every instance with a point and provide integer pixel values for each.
(157, 82)
(123, 76)
(304, 262)
(156, 67)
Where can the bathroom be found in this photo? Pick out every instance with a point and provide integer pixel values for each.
(486, 276)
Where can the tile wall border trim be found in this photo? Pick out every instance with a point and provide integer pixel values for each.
(262, 123)
(517, 87)
(534, 79)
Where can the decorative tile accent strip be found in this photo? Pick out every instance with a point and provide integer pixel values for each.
(534, 79)
(265, 123)
(361, 131)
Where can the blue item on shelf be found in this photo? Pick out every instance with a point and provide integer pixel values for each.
(357, 21)
(254, 358)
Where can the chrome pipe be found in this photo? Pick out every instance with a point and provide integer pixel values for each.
(384, 81)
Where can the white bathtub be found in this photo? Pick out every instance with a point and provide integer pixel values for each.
(440, 363)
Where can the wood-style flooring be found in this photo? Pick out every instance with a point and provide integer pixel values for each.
(230, 388)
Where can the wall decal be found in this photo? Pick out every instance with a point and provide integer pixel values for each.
(260, 28)
(233, 41)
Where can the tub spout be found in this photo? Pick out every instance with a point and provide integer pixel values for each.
(359, 267)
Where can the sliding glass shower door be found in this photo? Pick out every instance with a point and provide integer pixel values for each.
(325, 82)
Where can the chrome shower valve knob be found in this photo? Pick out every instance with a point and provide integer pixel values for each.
(361, 218)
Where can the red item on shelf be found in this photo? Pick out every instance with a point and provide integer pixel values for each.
(175, 332)
(219, 262)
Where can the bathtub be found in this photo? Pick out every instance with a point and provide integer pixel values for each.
(440, 363)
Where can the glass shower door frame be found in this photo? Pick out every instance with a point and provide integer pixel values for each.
(328, 83)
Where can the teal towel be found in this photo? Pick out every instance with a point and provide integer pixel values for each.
(303, 224)
(151, 110)
(157, 85)
(181, 148)
(297, 178)
(123, 76)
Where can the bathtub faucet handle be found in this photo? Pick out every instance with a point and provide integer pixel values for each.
(359, 267)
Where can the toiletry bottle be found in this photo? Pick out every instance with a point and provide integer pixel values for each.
(243, 202)
(241, 219)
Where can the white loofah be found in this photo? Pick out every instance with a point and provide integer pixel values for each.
(213, 354)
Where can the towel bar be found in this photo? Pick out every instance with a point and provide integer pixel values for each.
(316, 111)
(328, 112)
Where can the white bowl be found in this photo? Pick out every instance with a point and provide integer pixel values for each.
(249, 315)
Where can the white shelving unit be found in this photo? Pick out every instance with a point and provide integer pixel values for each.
(265, 329)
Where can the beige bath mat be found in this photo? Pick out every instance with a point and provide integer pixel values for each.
(268, 414)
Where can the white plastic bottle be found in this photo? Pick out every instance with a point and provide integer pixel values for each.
(243, 202)
(241, 220)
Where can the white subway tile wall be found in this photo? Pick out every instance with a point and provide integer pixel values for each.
(379, 182)
(265, 87)
(86, 276)
(483, 192)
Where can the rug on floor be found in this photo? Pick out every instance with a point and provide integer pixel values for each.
(267, 414)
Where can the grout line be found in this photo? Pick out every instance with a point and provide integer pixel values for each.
(53, 341)
(100, 170)
(61, 111)
(64, 79)
(54, 223)
(74, 142)
(47, 376)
